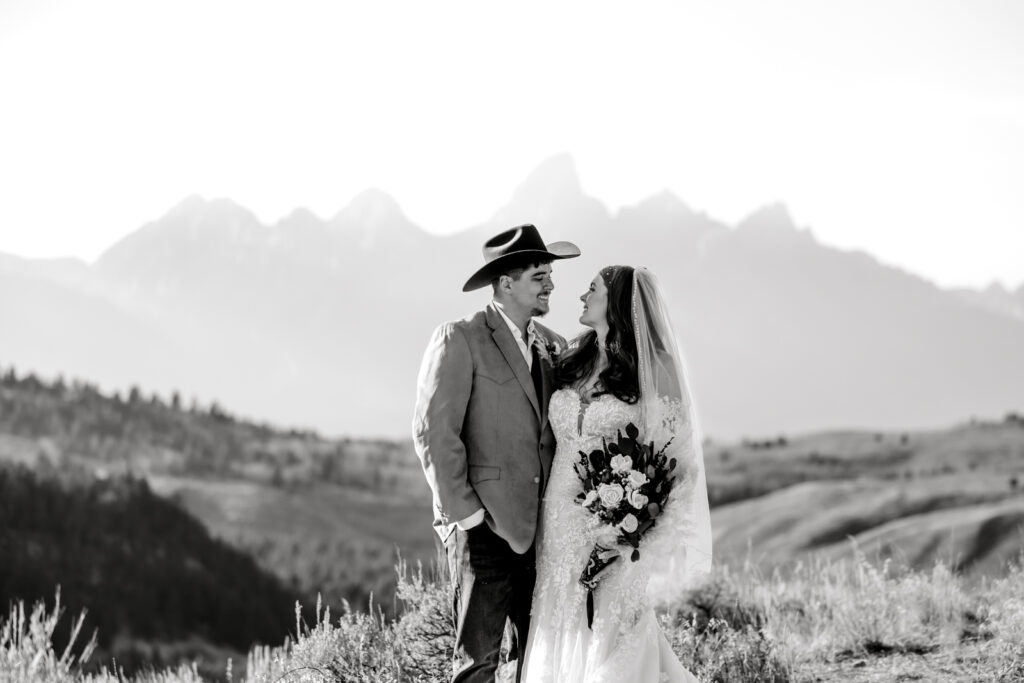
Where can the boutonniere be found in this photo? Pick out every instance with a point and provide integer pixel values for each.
(554, 349)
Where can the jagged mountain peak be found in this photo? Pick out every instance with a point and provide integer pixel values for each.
(301, 215)
(997, 288)
(552, 198)
(773, 223)
(783, 331)
(199, 220)
(996, 297)
(193, 202)
(665, 202)
(197, 208)
(556, 175)
(375, 218)
(372, 205)
(194, 225)
(301, 221)
(774, 218)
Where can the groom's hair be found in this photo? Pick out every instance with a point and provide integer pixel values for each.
(516, 270)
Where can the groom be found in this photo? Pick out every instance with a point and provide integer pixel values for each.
(481, 432)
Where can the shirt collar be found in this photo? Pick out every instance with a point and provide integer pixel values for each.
(531, 329)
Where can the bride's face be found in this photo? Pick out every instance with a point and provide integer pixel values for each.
(595, 304)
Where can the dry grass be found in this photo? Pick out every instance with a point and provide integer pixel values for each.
(824, 621)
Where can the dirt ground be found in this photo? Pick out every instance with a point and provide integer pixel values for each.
(965, 665)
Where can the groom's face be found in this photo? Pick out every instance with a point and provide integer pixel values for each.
(532, 290)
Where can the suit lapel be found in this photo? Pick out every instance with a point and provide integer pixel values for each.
(547, 379)
(510, 349)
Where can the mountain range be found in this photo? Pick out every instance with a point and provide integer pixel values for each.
(322, 322)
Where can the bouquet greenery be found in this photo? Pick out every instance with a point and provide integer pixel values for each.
(625, 485)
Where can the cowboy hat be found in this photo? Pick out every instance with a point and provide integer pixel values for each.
(521, 244)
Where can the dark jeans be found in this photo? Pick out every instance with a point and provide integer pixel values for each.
(493, 584)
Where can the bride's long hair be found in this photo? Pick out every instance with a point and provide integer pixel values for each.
(620, 377)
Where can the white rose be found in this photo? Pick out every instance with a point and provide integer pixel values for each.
(621, 463)
(610, 495)
(637, 479)
(590, 498)
(629, 524)
(637, 500)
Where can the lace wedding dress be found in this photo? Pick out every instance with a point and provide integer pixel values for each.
(626, 643)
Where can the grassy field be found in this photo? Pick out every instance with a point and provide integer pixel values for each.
(847, 620)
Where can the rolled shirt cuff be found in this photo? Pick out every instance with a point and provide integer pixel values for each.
(475, 519)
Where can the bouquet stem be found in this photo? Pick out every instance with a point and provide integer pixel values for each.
(600, 558)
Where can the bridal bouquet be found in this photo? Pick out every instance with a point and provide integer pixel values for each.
(625, 485)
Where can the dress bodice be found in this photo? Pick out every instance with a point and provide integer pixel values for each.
(601, 417)
(580, 426)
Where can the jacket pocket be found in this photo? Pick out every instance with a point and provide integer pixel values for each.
(479, 473)
(497, 375)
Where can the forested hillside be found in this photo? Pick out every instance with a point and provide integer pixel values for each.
(323, 515)
(154, 583)
(76, 422)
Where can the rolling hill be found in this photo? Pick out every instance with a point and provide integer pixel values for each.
(955, 495)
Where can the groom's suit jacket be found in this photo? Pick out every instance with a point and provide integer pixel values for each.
(480, 430)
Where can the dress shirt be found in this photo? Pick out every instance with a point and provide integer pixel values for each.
(517, 334)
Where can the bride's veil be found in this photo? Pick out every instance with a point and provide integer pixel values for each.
(680, 542)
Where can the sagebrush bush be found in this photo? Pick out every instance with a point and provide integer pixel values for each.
(718, 630)
(357, 648)
(183, 673)
(857, 608)
(26, 645)
(1001, 618)
(720, 597)
(737, 626)
(716, 652)
(425, 633)
(364, 647)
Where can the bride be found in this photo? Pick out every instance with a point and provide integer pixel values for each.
(627, 368)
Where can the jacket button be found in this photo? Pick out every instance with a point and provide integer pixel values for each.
(536, 480)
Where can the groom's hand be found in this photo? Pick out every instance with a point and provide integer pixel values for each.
(443, 391)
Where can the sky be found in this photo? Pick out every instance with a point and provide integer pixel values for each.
(893, 126)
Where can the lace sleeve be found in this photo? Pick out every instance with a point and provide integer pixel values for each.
(679, 544)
